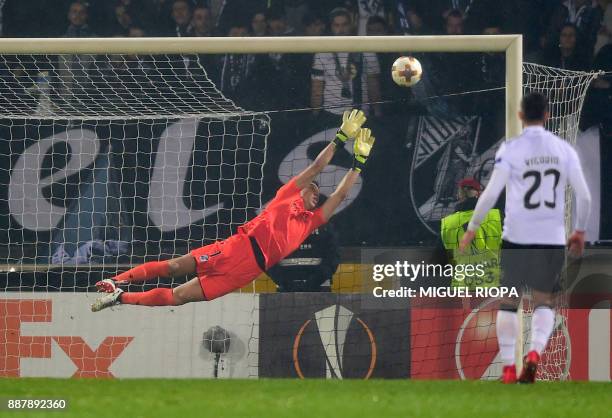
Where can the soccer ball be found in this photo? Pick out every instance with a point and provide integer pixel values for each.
(406, 71)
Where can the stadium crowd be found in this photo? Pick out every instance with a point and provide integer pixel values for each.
(568, 34)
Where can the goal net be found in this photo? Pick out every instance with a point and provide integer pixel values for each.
(475, 350)
(112, 159)
(566, 91)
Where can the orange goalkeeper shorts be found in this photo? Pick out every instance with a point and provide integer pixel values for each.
(226, 266)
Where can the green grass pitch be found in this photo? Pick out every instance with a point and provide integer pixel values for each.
(272, 398)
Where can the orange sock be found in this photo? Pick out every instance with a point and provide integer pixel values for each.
(145, 271)
(153, 297)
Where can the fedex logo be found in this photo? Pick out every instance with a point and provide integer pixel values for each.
(90, 361)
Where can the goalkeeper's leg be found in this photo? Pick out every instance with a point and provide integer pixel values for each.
(181, 266)
(176, 267)
(187, 292)
(221, 268)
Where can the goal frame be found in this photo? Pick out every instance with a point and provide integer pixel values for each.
(511, 45)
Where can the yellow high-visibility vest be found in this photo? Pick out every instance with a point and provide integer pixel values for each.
(484, 251)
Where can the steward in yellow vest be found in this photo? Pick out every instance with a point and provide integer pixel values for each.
(484, 251)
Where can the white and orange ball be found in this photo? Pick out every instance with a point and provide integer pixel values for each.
(406, 71)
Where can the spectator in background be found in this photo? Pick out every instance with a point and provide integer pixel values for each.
(295, 10)
(123, 20)
(492, 65)
(436, 13)
(136, 32)
(454, 73)
(243, 77)
(202, 26)
(604, 35)
(78, 16)
(314, 25)
(123, 14)
(281, 65)
(277, 23)
(598, 104)
(233, 11)
(407, 18)
(377, 26)
(454, 23)
(311, 267)
(582, 15)
(481, 14)
(344, 80)
(201, 22)
(567, 53)
(216, 8)
(298, 66)
(366, 9)
(73, 70)
(259, 25)
(181, 16)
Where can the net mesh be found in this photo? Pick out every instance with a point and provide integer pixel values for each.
(566, 91)
(112, 160)
(110, 87)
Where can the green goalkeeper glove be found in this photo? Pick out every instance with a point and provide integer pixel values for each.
(362, 148)
(351, 124)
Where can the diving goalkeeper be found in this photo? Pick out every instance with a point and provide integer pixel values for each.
(259, 244)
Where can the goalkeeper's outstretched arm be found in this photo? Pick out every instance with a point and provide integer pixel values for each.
(363, 146)
(351, 125)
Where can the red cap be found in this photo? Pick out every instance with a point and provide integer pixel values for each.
(470, 182)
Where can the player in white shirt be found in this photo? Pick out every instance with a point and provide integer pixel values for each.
(534, 168)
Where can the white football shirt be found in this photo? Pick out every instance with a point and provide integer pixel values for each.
(535, 167)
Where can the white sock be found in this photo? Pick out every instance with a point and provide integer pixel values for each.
(507, 329)
(542, 324)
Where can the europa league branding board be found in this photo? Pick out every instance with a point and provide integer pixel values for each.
(331, 336)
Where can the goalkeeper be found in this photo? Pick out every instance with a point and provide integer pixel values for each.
(259, 244)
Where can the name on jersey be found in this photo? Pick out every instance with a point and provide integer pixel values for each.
(543, 159)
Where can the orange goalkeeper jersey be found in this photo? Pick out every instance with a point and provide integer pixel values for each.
(283, 225)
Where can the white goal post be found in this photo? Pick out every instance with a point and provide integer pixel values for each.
(512, 45)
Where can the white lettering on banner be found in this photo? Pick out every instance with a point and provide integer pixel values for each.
(297, 160)
(167, 208)
(27, 203)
